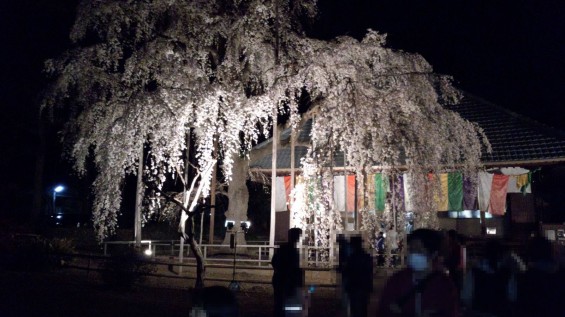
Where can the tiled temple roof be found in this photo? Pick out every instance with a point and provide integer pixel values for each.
(515, 139)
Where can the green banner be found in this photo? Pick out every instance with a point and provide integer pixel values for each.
(455, 191)
(381, 187)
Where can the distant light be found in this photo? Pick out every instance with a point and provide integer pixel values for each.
(148, 252)
(292, 308)
(59, 216)
(59, 188)
(491, 230)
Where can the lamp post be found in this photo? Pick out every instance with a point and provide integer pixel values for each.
(244, 225)
(57, 189)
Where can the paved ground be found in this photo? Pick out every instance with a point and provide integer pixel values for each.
(78, 292)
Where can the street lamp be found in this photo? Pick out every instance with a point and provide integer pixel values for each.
(57, 189)
(244, 225)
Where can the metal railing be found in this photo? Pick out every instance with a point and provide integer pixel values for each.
(256, 254)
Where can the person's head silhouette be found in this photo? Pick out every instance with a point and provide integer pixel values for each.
(294, 235)
(356, 243)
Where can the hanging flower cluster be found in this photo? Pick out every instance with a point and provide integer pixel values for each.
(313, 211)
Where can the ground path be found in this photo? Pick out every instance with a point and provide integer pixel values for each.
(77, 292)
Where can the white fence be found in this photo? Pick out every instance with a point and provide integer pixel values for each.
(248, 254)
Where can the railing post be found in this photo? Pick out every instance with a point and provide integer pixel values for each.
(259, 262)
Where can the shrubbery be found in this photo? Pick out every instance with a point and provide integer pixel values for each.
(28, 252)
(125, 268)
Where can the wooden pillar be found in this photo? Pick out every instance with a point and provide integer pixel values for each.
(292, 175)
(273, 184)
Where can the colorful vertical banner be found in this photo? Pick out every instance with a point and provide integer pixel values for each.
(450, 196)
(381, 188)
(350, 193)
(287, 190)
(498, 193)
(523, 182)
(339, 193)
(455, 191)
(360, 194)
(408, 192)
(399, 192)
(280, 194)
(443, 197)
(485, 186)
(469, 194)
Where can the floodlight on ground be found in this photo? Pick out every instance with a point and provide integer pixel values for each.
(229, 224)
(148, 252)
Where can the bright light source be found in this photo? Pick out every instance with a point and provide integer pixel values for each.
(148, 252)
(292, 308)
(229, 224)
(491, 230)
(246, 224)
(59, 188)
(59, 216)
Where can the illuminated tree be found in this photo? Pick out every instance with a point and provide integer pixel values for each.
(144, 74)
(383, 108)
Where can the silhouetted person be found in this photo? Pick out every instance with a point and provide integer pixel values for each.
(288, 277)
(419, 289)
(380, 247)
(541, 289)
(489, 288)
(453, 260)
(358, 278)
(344, 251)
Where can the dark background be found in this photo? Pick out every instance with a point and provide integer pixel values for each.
(508, 52)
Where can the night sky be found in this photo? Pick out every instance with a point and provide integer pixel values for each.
(508, 52)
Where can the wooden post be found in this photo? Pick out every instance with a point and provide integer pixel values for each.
(292, 140)
(273, 184)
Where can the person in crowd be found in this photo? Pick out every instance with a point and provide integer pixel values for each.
(489, 287)
(392, 243)
(344, 253)
(380, 247)
(420, 289)
(358, 278)
(453, 260)
(288, 277)
(541, 289)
